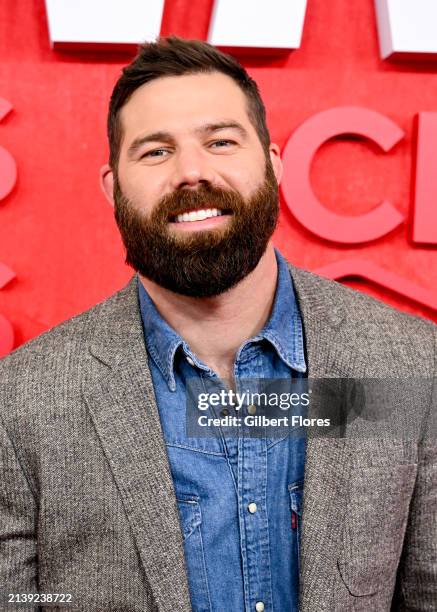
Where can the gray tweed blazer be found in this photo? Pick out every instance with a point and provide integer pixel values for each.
(87, 505)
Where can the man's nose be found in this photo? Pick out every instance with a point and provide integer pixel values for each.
(191, 168)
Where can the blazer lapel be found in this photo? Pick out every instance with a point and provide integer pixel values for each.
(121, 400)
(327, 465)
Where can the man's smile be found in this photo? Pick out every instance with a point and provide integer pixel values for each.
(200, 218)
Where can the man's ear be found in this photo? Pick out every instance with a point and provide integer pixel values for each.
(107, 183)
(275, 158)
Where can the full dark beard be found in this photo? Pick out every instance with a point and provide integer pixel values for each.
(200, 263)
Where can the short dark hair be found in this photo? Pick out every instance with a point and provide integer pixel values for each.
(175, 56)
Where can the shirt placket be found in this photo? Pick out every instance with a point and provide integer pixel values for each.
(252, 503)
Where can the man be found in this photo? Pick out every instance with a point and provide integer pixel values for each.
(104, 497)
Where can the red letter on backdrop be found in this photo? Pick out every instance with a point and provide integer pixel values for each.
(6, 331)
(425, 183)
(8, 168)
(296, 188)
(8, 178)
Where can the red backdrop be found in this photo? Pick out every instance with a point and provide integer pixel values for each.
(57, 233)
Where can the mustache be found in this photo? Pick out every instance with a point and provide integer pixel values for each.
(202, 198)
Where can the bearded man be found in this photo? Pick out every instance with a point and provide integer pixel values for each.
(106, 501)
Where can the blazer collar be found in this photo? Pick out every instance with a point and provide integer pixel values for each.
(119, 325)
(328, 460)
(120, 397)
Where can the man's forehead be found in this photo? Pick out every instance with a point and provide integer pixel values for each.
(175, 102)
(198, 82)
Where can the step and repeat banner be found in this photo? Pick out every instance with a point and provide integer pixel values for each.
(351, 95)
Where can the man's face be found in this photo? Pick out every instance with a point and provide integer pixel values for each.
(195, 197)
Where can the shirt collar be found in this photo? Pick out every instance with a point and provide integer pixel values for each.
(162, 341)
(283, 329)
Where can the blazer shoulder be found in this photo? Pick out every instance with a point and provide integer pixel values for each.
(71, 336)
(366, 323)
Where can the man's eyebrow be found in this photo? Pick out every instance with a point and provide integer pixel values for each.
(163, 136)
(208, 128)
(160, 136)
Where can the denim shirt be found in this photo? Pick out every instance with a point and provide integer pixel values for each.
(239, 498)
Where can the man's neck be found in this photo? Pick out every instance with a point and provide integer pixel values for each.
(215, 327)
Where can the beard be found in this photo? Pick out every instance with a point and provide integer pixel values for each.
(199, 263)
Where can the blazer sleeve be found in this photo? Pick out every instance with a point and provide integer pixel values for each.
(417, 576)
(18, 517)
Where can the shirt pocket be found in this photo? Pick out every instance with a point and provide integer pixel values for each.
(374, 527)
(191, 521)
(295, 491)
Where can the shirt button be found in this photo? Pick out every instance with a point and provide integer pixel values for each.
(259, 606)
(190, 361)
(224, 412)
(251, 409)
(252, 509)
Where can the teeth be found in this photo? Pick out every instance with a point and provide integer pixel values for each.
(199, 215)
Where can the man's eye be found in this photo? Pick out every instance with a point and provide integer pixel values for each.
(155, 153)
(222, 143)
